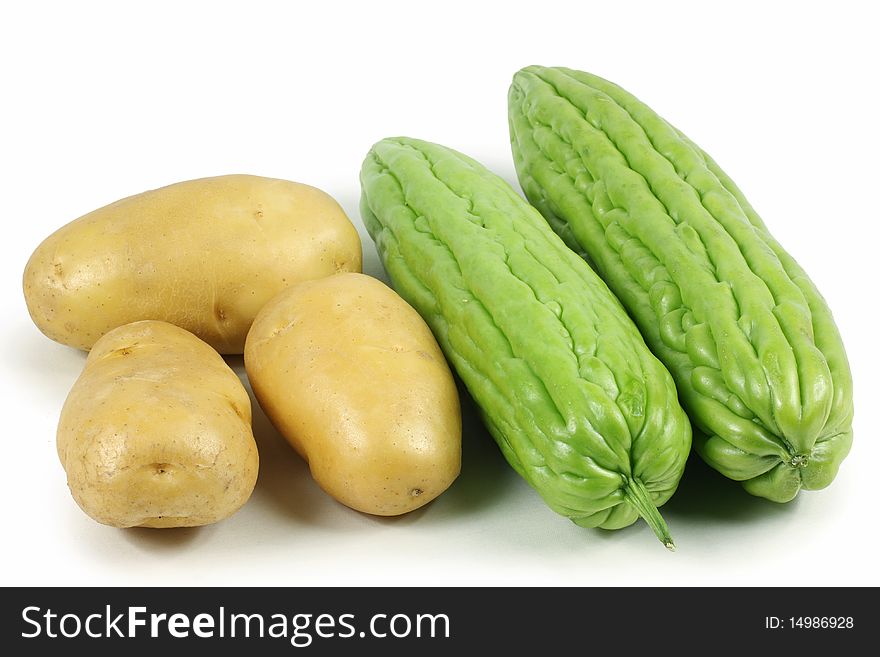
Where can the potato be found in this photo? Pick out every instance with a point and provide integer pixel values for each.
(156, 432)
(203, 254)
(351, 375)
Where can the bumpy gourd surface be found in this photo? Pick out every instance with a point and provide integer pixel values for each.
(578, 404)
(755, 353)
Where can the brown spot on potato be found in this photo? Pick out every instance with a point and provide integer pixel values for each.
(161, 468)
(220, 314)
(122, 351)
(415, 492)
(238, 410)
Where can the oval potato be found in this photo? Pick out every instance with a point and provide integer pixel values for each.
(202, 254)
(351, 375)
(156, 432)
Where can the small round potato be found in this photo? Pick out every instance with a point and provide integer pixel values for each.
(203, 254)
(156, 432)
(351, 375)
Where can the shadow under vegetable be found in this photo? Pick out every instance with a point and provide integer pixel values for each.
(168, 538)
(485, 474)
(708, 496)
(284, 479)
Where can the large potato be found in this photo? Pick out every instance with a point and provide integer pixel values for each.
(156, 432)
(203, 254)
(353, 378)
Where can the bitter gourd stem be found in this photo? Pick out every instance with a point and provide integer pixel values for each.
(640, 499)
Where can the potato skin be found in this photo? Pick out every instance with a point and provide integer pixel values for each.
(351, 375)
(202, 254)
(156, 432)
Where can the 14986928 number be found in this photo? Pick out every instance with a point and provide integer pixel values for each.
(821, 622)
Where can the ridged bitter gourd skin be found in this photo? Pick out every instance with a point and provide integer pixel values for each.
(755, 353)
(566, 385)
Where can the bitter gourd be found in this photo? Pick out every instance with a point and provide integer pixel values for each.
(753, 348)
(577, 403)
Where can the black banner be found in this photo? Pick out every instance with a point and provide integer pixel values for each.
(431, 621)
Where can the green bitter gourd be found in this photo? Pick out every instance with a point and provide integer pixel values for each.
(567, 387)
(753, 348)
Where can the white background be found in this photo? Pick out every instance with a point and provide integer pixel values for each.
(100, 101)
